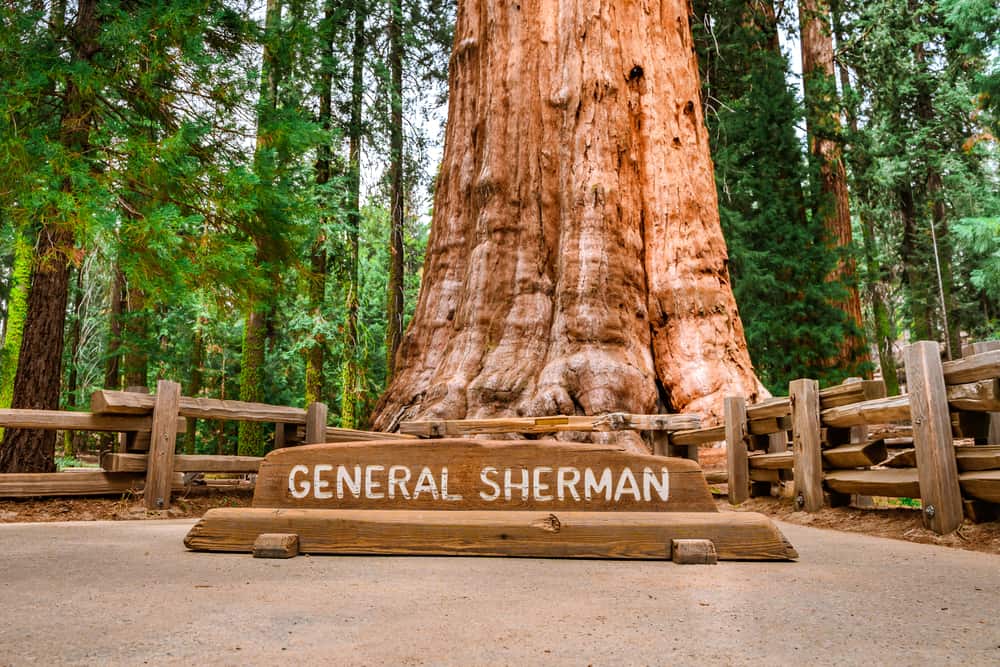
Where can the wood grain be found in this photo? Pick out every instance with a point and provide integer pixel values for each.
(72, 421)
(775, 461)
(693, 552)
(982, 366)
(806, 443)
(699, 436)
(878, 411)
(981, 396)
(617, 421)
(897, 483)
(633, 535)
(88, 483)
(736, 449)
(978, 458)
(162, 445)
(858, 455)
(464, 460)
(105, 401)
(939, 487)
(984, 485)
(316, 415)
(183, 463)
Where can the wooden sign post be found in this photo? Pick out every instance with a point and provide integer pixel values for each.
(474, 497)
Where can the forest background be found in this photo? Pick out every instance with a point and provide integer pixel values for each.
(237, 196)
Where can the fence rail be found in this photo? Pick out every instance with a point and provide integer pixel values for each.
(825, 446)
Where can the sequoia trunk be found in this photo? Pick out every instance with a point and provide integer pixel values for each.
(576, 264)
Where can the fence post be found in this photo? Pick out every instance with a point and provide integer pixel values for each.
(806, 444)
(937, 468)
(162, 444)
(316, 423)
(737, 464)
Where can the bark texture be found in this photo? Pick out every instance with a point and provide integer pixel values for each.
(576, 264)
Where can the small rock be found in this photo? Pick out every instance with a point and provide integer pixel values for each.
(6, 515)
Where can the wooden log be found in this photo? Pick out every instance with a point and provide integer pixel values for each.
(693, 552)
(699, 436)
(661, 443)
(939, 487)
(736, 449)
(858, 455)
(764, 477)
(983, 366)
(466, 474)
(982, 485)
(618, 421)
(351, 435)
(770, 425)
(900, 482)
(770, 408)
(276, 545)
(72, 421)
(717, 477)
(162, 445)
(183, 463)
(851, 392)
(82, 483)
(105, 401)
(632, 535)
(776, 461)
(881, 410)
(970, 459)
(316, 414)
(904, 459)
(806, 444)
(981, 396)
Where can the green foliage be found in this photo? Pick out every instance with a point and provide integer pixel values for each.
(778, 258)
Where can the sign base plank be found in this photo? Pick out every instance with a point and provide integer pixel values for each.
(517, 533)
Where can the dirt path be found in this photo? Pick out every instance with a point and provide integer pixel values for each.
(128, 593)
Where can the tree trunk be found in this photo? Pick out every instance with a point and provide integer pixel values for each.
(576, 264)
(17, 306)
(39, 371)
(197, 380)
(252, 436)
(112, 368)
(351, 377)
(73, 400)
(315, 384)
(136, 331)
(394, 301)
(823, 122)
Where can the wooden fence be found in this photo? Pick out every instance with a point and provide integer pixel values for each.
(850, 440)
(146, 457)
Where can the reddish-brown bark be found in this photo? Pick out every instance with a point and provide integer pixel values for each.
(576, 263)
(823, 120)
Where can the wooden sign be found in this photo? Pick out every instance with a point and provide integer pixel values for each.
(479, 475)
(483, 498)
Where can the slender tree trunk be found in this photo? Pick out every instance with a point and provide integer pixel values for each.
(197, 380)
(352, 374)
(316, 354)
(36, 384)
(823, 122)
(882, 325)
(916, 273)
(112, 367)
(394, 301)
(576, 264)
(72, 390)
(252, 437)
(136, 334)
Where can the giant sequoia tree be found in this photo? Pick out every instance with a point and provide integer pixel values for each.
(576, 263)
